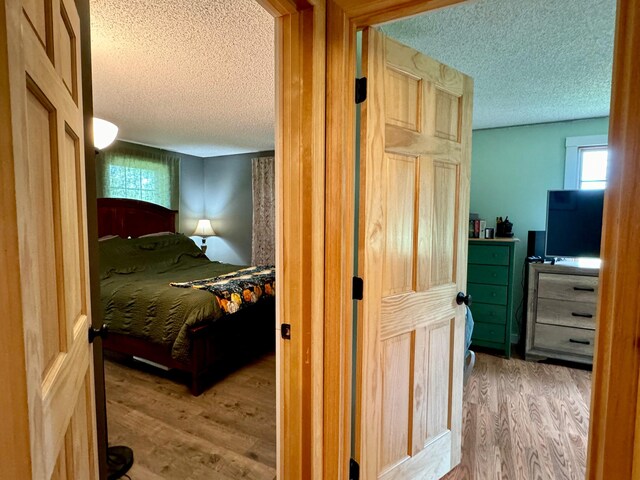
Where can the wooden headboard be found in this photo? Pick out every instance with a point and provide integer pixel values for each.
(133, 218)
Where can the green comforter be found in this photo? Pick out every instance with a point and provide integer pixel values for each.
(136, 295)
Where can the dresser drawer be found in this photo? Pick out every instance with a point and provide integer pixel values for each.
(564, 339)
(493, 294)
(488, 332)
(578, 288)
(569, 314)
(492, 274)
(486, 313)
(489, 254)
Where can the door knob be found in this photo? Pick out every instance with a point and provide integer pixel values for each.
(98, 332)
(462, 298)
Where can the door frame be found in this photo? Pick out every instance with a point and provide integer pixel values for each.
(315, 51)
(613, 446)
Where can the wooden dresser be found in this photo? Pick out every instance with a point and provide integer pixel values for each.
(561, 312)
(490, 284)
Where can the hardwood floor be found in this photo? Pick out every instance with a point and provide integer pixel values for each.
(524, 421)
(228, 432)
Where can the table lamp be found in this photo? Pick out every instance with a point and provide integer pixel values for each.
(204, 230)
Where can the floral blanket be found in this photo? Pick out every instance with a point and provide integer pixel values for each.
(237, 290)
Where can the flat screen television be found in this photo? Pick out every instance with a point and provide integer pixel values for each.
(574, 223)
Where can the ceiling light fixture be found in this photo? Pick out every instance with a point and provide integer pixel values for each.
(104, 133)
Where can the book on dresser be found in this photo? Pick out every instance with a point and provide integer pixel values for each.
(561, 312)
(490, 271)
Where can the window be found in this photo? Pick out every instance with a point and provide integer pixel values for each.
(593, 168)
(586, 162)
(144, 181)
(151, 176)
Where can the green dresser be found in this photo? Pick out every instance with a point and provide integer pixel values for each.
(490, 284)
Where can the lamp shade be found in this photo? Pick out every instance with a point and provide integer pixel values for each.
(204, 229)
(104, 133)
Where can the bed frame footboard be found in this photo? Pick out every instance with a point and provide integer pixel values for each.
(217, 347)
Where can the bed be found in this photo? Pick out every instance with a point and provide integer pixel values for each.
(155, 311)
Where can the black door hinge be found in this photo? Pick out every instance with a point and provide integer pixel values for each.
(285, 331)
(361, 89)
(354, 470)
(357, 288)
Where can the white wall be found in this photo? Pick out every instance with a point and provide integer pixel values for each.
(191, 193)
(228, 203)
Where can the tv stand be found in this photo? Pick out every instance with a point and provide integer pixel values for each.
(561, 312)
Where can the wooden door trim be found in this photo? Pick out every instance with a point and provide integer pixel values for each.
(367, 13)
(280, 8)
(614, 408)
(339, 229)
(300, 240)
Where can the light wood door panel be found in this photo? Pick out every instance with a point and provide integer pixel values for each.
(403, 106)
(47, 125)
(447, 124)
(414, 200)
(401, 173)
(396, 415)
(67, 57)
(443, 228)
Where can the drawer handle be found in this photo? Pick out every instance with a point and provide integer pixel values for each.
(582, 342)
(584, 289)
(584, 315)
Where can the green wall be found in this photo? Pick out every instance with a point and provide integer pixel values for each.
(511, 170)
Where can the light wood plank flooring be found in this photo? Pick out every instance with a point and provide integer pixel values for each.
(228, 432)
(524, 421)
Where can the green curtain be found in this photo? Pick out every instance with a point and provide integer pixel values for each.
(142, 173)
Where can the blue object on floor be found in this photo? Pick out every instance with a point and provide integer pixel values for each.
(469, 355)
(468, 329)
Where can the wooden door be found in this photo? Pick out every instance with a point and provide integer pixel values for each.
(414, 196)
(46, 119)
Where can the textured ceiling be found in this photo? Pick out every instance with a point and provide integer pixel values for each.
(195, 77)
(532, 61)
(198, 76)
